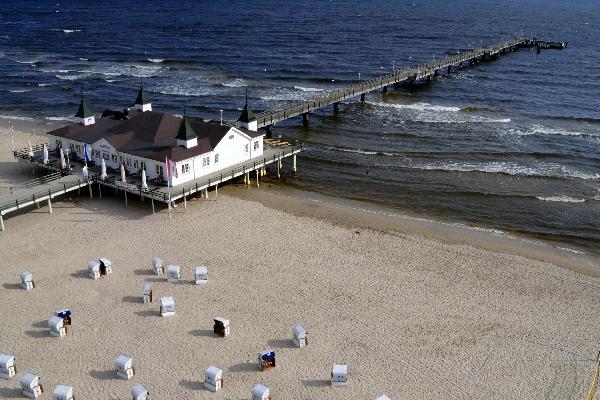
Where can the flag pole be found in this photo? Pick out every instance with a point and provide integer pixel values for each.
(168, 185)
(12, 135)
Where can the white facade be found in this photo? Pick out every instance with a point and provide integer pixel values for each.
(167, 306)
(299, 336)
(139, 392)
(213, 378)
(86, 121)
(339, 375)
(234, 148)
(27, 280)
(173, 273)
(201, 275)
(260, 392)
(384, 397)
(157, 265)
(31, 385)
(63, 392)
(124, 366)
(7, 366)
(57, 326)
(143, 107)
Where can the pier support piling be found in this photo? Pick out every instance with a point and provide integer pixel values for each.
(362, 97)
(269, 131)
(90, 190)
(257, 181)
(336, 107)
(449, 68)
(125, 191)
(294, 163)
(1, 223)
(99, 190)
(152, 201)
(385, 89)
(49, 206)
(305, 119)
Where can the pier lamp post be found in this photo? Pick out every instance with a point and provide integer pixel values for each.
(221, 116)
(359, 77)
(394, 65)
(332, 82)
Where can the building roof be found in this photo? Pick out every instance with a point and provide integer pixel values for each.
(247, 115)
(186, 132)
(141, 97)
(150, 134)
(83, 111)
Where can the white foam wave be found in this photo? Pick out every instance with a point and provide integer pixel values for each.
(44, 84)
(358, 151)
(19, 90)
(84, 59)
(71, 77)
(16, 117)
(549, 170)
(562, 199)
(27, 61)
(239, 82)
(415, 106)
(156, 60)
(71, 30)
(308, 89)
(67, 118)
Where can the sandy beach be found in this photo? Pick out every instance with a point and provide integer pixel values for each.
(413, 316)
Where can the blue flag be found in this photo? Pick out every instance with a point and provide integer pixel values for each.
(86, 152)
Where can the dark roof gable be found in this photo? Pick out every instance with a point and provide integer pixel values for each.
(247, 115)
(186, 132)
(83, 111)
(142, 98)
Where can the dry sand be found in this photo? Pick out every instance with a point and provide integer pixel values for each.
(413, 317)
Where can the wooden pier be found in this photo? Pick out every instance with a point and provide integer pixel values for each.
(41, 191)
(267, 119)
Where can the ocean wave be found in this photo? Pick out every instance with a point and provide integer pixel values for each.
(308, 89)
(44, 84)
(547, 170)
(239, 82)
(156, 60)
(19, 90)
(359, 151)
(16, 117)
(415, 106)
(30, 62)
(84, 59)
(561, 199)
(71, 77)
(68, 118)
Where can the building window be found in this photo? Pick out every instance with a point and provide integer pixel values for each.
(135, 163)
(246, 147)
(231, 136)
(204, 161)
(256, 145)
(143, 165)
(185, 168)
(216, 158)
(113, 158)
(128, 162)
(207, 161)
(105, 156)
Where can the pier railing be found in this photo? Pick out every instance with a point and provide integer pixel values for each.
(406, 74)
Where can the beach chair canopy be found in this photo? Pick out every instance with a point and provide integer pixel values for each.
(29, 380)
(63, 313)
(6, 361)
(55, 322)
(259, 390)
(26, 276)
(384, 397)
(138, 390)
(167, 302)
(222, 321)
(157, 262)
(124, 362)
(106, 262)
(213, 373)
(173, 269)
(147, 288)
(339, 371)
(299, 331)
(267, 354)
(63, 392)
(201, 271)
(93, 266)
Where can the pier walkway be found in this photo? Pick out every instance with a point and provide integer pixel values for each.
(267, 119)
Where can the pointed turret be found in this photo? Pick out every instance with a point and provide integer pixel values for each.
(247, 119)
(84, 115)
(142, 102)
(186, 136)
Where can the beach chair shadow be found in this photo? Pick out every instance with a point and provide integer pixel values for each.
(11, 285)
(11, 393)
(143, 272)
(38, 334)
(281, 343)
(244, 367)
(316, 382)
(157, 279)
(148, 313)
(82, 274)
(105, 375)
(132, 299)
(40, 324)
(192, 385)
(203, 332)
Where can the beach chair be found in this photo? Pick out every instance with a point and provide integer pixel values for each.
(8, 368)
(57, 326)
(266, 359)
(221, 326)
(30, 383)
(27, 282)
(299, 336)
(124, 366)
(157, 264)
(139, 392)
(63, 392)
(339, 375)
(201, 275)
(167, 306)
(213, 378)
(173, 273)
(147, 293)
(261, 392)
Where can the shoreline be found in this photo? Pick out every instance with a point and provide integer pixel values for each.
(353, 213)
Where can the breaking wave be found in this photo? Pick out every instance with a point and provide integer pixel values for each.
(308, 89)
(562, 199)
(236, 83)
(16, 117)
(156, 60)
